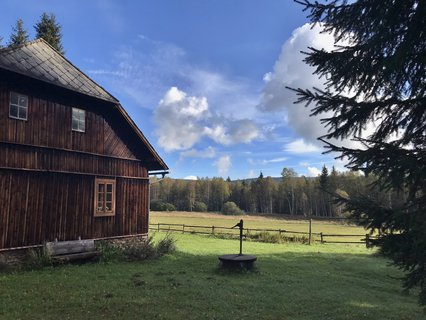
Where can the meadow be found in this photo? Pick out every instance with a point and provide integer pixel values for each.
(349, 232)
(290, 281)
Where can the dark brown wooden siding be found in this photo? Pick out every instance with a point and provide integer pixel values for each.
(19, 156)
(48, 171)
(49, 125)
(36, 207)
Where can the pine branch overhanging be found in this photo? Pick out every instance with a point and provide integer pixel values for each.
(376, 75)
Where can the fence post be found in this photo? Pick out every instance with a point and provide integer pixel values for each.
(322, 238)
(183, 228)
(367, 240)
(158, 228)
(212, 229)
(310, 231)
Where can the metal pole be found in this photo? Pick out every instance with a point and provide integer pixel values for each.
(241, 237)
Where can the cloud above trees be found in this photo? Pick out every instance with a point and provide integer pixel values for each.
(183, 120)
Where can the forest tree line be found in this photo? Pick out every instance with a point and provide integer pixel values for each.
(289, 195)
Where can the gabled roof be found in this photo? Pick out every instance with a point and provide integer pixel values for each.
(39, 60)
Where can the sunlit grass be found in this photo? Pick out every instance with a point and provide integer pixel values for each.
(290, 281)
(259, 222)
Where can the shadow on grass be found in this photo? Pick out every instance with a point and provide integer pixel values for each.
(187, 286)
(305, 286)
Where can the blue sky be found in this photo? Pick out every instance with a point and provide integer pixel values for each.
(204, 80)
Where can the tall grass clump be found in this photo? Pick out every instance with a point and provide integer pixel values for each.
(137, 250)
(268, 237)
(4, 266)
(109, 252)
(166, 245)
(37, 259)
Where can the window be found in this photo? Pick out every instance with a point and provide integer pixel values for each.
(18, 107)
(104, 197)
(78, 120)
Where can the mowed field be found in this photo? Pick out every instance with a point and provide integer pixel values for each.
(290, 281)
(326, 227)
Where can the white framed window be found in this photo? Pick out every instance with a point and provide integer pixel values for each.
(78, 120)
(18, 106)
(104, 197)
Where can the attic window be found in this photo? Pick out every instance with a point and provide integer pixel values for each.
(78, 120)
(18, 107)
(104, 197)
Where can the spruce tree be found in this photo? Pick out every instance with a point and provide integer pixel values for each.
(378, 74)
(19, 35)
(323, 179)
(50, 30)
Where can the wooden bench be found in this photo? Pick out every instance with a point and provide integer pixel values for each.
(72, 250)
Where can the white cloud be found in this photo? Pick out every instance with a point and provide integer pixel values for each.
(291, 71)
(191, 178)
(184, 120)
(275, 160)
(313, 172)
(208, 152)
(223, 164)
(176, 118)
(300, 146)
(231, 132)
(235, 97)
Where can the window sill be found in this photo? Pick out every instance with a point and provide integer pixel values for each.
(104, 214)
(16, 118)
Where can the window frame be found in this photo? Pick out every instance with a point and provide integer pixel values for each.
(18, 106)
(79, 119)
(104, 182)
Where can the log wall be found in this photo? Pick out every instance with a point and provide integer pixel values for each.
(48, 171)
(36, 207)
(19, 156)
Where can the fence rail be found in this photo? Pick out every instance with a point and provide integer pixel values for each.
(221, 230)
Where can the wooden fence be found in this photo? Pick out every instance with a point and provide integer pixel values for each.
(311, 237)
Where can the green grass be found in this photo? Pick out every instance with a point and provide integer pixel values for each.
(258, 222)
(290, 281)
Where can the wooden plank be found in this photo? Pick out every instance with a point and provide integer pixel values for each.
(77, 256)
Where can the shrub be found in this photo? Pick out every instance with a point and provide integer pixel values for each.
(4, 266)
(136, 250)
(166, 245)
(159, 205)
(109, 252)
(276, 237)
(200, 206)
(169, 207)
(231, 208)
(38, 258)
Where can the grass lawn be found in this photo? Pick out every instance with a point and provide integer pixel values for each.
(291, 281)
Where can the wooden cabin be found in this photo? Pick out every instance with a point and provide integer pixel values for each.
(72, 162)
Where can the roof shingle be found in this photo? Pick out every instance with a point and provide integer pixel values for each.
(38, 60)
